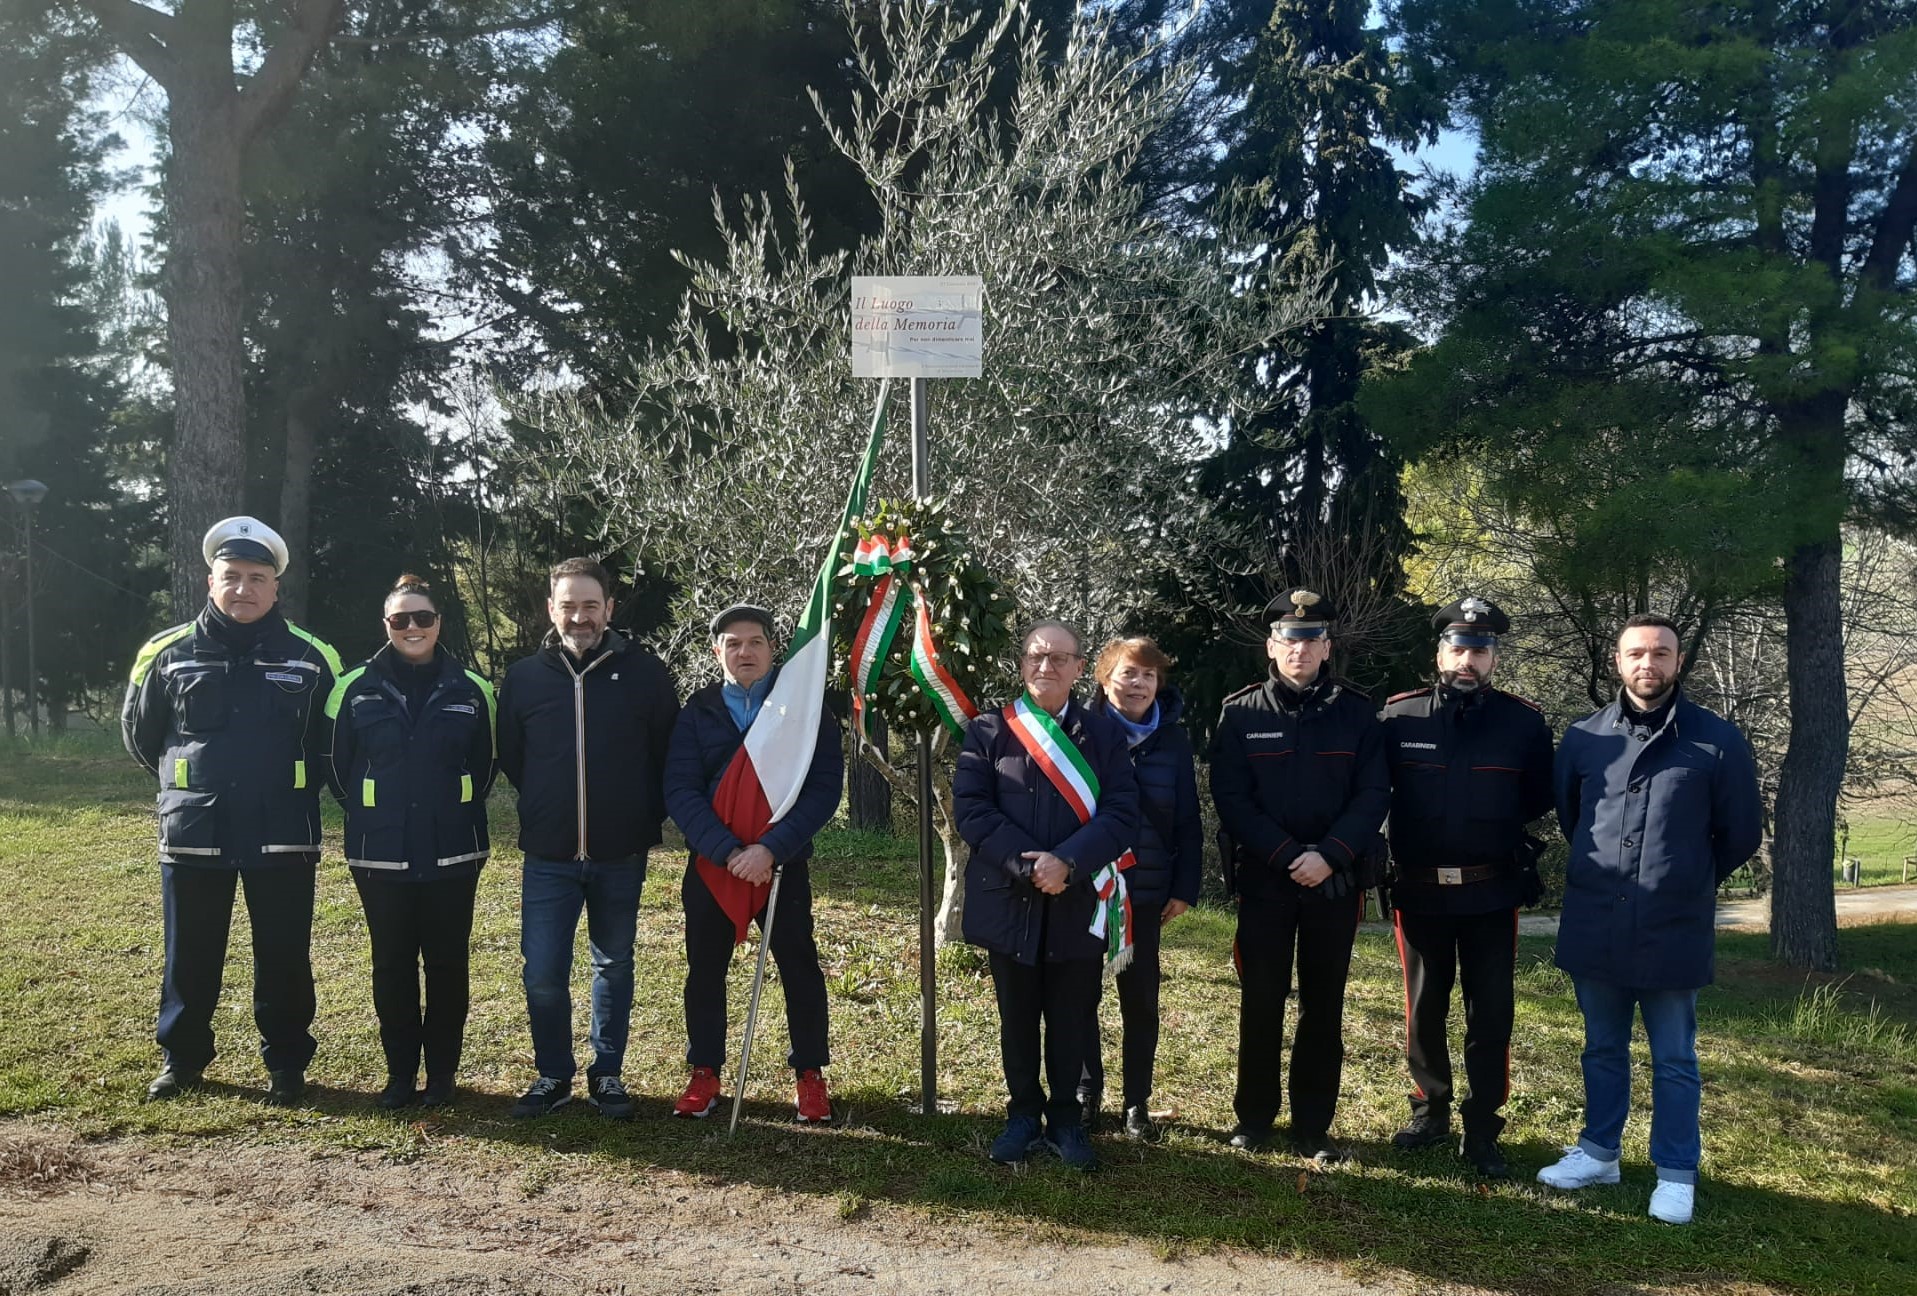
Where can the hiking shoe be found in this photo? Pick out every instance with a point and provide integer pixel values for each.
(548, 1093)
(813, 1106)
(1016, 1141)
(1249, 1138)
(1073, 1146)
(701, 1097)
(1484, 1154)
(1578, 1169)
(1672, 1202)
(608, 1094)
(397, 1093)
(1139, 1125)
(1317, 1148)
(438, 1092)
(284, 1088)
(171, 1084)
(1427, 1129)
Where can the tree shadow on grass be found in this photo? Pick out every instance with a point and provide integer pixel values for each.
(1423, 1213)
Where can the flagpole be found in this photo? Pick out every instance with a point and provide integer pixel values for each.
(928, 953)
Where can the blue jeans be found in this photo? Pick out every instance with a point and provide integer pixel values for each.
(551, 896)
(1670, 1020)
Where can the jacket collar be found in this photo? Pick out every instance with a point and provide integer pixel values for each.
(388, 663)
(1318, 694)
(556, 655)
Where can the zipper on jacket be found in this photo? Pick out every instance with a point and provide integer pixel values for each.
(579, 737)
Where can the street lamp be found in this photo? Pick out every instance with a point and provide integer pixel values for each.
(28, 493)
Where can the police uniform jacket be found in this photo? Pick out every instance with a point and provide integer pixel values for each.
(1004, 805)
(413, 785)
(1170, 847)
(586, 747)
(1468, 772)
(1291, 770)
(237, 736)
(1656, 820)
(704, 742)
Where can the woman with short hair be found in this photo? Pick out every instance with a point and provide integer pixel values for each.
(413, 758)
(1168, 854)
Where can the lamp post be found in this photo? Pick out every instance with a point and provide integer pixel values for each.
(28, 493)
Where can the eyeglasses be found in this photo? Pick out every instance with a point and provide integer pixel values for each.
(1057, 661)
(424, 620)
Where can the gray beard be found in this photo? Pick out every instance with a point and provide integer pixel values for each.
(1456, 681)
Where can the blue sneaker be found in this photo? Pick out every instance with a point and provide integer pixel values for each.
(1073, 1146)
(1020, 1136)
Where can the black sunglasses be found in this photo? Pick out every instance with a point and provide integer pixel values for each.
(424, 620)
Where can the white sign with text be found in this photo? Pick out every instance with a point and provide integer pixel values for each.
(917, 326)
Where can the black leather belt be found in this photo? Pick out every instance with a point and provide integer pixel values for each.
(1462, 876)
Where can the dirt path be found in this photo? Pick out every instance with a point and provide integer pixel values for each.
(1855, 905)
(226, 1219)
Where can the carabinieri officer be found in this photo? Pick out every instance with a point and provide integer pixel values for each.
(413, 758)
(227, 711)
(1470, 767)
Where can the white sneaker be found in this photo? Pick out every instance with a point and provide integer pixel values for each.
(1673, 1202)
(1578, 1169)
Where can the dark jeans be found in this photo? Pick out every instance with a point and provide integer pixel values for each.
(1062, 997)
(1137, 1012)
(1670, 1023)
(709, 945)
(1320, 933)
(552, 894)
(415, 925)
(1480, 951)
(198, 906)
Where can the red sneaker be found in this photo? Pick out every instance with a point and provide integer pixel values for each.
(814, 1107)
(701, 1095)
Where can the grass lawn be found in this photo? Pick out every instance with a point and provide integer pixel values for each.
(1810, 1102)
(1881, 836)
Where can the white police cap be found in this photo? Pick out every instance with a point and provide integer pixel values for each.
(247, 539)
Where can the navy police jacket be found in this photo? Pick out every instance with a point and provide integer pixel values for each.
(1468, 772)
(703, 743)
(1656, 821)
(413, 786)
(586, 747)
(1003, 806)
(237, 737)
(1170, 845)
(1291, 770)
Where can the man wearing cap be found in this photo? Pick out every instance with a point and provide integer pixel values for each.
(1658, 798)
(1470, 767)
(711, 728)
(1299, 778)
(227, 711)
(583, 727)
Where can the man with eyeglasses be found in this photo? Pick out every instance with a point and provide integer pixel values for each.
(1299, 778)
(1045, 797)
(227, 711)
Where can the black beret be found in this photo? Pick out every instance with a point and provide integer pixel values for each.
(1471, 622)
(1299, 614)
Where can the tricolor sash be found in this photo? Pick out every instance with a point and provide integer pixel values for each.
(1071, 775)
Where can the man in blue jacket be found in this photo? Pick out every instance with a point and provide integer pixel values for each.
(583, 728)
(1659, 800)
(710, 731)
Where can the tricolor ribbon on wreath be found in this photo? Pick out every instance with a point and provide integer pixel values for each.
(1072, 776)
(888, 564)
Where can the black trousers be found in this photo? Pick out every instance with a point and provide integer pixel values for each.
(709, 945)
(1320, 934)
(198, 907)
(1061, 997)
(1137, 1013)
(415, 927)
(1480, 950)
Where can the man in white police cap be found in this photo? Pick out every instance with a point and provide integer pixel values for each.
(227, 711)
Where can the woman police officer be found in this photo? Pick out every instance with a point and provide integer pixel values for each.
(414, 755)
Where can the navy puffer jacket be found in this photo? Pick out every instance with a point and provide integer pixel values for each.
(1655, 820)
(1170, 848)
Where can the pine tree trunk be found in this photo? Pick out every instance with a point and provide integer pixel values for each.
(1803, 900)
(868, 796)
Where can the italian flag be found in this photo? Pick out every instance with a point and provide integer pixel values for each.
(762, 783)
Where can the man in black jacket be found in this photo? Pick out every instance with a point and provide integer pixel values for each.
(1470, 767)
(1299, 779)
(710, 731)
(583, 728)
(228, 711)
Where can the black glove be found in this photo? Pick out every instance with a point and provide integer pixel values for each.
(1335, 887)
(1530, 885)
